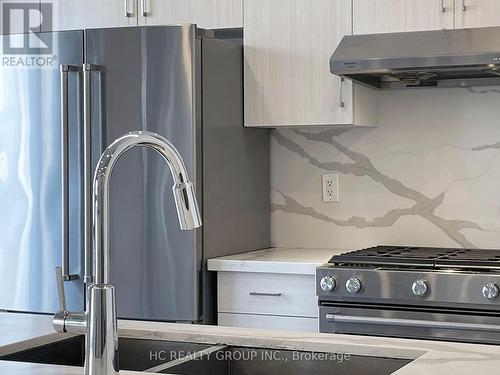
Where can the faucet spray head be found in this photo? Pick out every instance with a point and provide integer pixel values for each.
(187, 207)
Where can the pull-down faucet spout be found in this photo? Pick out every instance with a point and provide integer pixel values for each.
(99, 321)
(185, 200)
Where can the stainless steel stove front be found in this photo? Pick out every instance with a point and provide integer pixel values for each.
(394, 321)
(409, 287)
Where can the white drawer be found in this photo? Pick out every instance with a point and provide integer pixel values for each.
(268, 294)
(284, 323)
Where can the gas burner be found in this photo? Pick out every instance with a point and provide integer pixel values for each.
(421, 257)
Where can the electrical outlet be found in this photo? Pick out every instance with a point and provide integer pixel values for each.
(330, 184)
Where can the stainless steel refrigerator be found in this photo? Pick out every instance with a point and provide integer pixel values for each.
(177, 81)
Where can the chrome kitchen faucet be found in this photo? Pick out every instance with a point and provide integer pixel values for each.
(98, 322)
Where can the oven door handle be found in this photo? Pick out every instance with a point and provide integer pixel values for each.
(338, 318)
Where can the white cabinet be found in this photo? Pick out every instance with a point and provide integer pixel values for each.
(288, 44)
(477, 13)
(283, 323)
(379, 16)
(385, 16)
(267, 300)
(79, 14)
(205, 13)
(429, 14)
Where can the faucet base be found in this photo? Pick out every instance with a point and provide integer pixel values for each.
(101, 356)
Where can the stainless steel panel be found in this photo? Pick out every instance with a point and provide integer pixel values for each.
(447, 288)
(149, 84)
(382, 320)
(30, 180)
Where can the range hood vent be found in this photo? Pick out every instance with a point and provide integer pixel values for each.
(441, 58)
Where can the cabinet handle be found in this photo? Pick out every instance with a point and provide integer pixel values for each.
(265, 294)
(464, 7)
(338, 318)
(443, 7)
(341, 93)
(144, 10)
(64, 270)
(127, 13)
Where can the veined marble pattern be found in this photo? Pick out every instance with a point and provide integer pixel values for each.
(428, 175)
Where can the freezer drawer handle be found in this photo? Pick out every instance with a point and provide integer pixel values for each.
(411, 323)
(64, 70)
(265, 294)
(87, 165)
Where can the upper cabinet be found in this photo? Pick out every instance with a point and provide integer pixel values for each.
(477, 13)
(210, 14)
(79, 14)
(385, 16)
(288, 44)
(379, 16)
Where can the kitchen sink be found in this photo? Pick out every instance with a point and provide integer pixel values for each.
(134, 354)
(258, 361)
(184, 358)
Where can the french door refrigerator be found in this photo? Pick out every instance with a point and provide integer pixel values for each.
(56, 120)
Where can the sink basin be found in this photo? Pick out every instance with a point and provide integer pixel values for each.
(257, 361)
(184, 358)
(134, 354)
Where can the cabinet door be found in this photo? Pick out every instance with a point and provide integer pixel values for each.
(13, 13)
(79, 14)
(210, 14)
(430, 14)
(379, 16)
(386, 16)
(288, 44)
(477, 13)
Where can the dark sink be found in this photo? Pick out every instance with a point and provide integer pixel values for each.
(134, 354)
(171, 357)
(255, 361)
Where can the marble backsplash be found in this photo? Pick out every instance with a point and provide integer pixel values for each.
(428, 175)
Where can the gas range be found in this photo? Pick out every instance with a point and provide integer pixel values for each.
(414, 292)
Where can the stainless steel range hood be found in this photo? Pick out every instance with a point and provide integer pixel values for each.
(441, 58)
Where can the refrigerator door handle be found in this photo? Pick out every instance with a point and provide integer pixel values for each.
(87, 168)
(64, 70)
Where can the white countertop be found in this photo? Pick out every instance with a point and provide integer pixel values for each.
(431, 357)
(275, 260)
(25, 331)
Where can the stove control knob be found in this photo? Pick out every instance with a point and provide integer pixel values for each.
(420, 288)
(328, 284)
(490, 291)
(353, 285)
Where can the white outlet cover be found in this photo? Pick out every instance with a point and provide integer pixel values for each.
(330, 186)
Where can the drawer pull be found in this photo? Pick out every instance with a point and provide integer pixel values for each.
(410, 323)
(265, 294)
